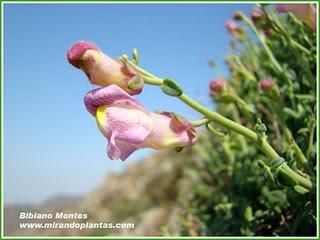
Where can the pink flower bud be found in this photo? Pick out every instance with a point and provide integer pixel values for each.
(235, 30)
(257, 15)
(217, 85)
(99, 68)
(231, 26)
(266, 84)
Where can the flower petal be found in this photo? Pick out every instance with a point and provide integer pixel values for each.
(126, 149)
(128, 124)
(119, 150)
(124, 125)
(170, 130)
(113, 151)
(107, 96)
(76, 52)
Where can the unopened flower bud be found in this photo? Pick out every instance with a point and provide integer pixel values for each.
(231, 26)
(266, 84)
(237, 15)
(235, 30)
(257, 15)
(100, 68)
(217, 85)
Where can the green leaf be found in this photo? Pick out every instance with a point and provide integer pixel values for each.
(275, 164)
(300, 190)
(286, 179)
(171, 88)
(248, 213)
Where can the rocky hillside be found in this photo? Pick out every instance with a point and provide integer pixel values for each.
(145, 194)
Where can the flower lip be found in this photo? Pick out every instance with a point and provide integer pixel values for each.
(76, 52)
(107, 96)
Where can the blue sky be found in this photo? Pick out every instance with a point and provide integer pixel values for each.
(51, 143)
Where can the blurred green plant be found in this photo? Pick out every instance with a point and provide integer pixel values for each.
(230, 188)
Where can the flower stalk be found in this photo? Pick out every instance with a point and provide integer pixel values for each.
(291, 177)
(200, 122)
(264, 44)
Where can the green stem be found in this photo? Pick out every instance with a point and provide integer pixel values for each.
(200, 122)
(264, 44)
(151, 80)
(277, 24)
(284, 169)
(245, 70)
(249, 134)
(236, 117)
(227, 150)
(289, 137)
(151, 77)
(240, 103)
(311, 140)
(229, 124)
(300, 156)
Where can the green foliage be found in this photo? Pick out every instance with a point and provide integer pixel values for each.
(229, 188)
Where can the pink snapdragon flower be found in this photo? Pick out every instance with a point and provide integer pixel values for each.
(99, 68)
(305, 12)
(128, 126)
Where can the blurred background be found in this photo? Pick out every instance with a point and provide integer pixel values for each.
(51, 143)
(54, 157)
